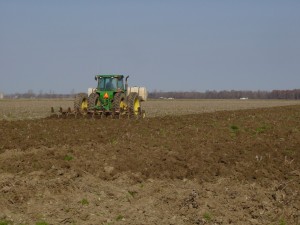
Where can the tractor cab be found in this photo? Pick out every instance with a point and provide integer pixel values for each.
(110, 83)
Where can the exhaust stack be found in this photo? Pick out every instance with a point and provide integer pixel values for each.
(126, 85)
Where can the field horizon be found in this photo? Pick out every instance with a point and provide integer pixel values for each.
(16, 109)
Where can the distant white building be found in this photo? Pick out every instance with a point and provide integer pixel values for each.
(1, 95)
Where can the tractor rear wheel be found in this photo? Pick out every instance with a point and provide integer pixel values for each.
(134, 106)
(81, 102)
(119, 104)
(93, 101)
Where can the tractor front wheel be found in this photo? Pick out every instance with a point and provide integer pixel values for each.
(81, 102)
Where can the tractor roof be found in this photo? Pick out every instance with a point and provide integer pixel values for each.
(109, 75)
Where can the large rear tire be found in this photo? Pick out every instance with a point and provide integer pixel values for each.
(119, 103)
(93, 101)
(81, 102)
(134, 106)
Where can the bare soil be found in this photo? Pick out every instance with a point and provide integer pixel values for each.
(225, 167)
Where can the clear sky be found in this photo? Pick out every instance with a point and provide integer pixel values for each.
(170, 45)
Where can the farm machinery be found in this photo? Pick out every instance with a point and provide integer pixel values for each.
(111, 98)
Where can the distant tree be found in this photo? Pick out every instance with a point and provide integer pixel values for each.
(233, 94)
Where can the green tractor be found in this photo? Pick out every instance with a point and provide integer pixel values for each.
(112, 97)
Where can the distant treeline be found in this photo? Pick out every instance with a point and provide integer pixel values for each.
(32, 95)
(275, 94)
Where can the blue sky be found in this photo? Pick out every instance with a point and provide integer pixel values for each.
(168, 45)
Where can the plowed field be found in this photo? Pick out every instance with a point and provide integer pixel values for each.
(224, 167)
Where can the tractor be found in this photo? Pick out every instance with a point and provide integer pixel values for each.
(112, 97)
